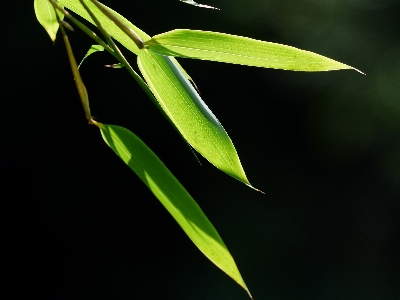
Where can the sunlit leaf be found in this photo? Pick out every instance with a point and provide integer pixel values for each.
(93, 49)
(234, 49)
(46, 16)
(172, 195)
(191, 116)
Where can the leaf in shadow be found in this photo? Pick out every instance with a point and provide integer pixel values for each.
(163, 184)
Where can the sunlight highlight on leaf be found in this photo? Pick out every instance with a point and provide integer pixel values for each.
(191, 2)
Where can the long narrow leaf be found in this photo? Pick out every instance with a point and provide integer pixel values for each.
(172, 195)
(189, 113)
(234, 49)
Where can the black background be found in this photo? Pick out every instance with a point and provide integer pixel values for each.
(76, 223)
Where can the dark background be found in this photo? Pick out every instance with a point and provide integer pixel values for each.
(76, 223)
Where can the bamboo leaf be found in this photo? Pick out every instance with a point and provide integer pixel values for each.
(109, 25)
(234, 49)
(92, 49)
(46, 16)
(191, 116)
(162, 183)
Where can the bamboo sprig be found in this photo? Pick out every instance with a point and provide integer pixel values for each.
(113, 49)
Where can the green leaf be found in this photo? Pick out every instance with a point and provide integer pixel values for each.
(93, 49)
(191, 116)
(109, 25)
(46, 16)
(172, 195)
(234, 49)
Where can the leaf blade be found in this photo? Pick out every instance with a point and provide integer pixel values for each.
(191, 116)
(228, 48)
(163, 184)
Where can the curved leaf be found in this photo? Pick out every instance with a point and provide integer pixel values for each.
(234, 49)
(172, 195)
(46, 16)
(191, 116)
(109, 25)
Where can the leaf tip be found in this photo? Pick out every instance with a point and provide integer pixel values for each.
(247, 291)
(359, 71)
(249, 185)
(352, 68)
(53, 36)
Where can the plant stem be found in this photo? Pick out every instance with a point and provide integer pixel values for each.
(77, 76)
(105, 10)
(121, 58)
(114, 51)
(85, 29)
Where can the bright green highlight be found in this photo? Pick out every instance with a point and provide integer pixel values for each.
(93, 49)
(191, 116)
(234, 49)
(46, 16)
(172, 195)
(108, 25)
(191, 2)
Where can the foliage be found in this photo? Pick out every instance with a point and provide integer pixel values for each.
(171, 89)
